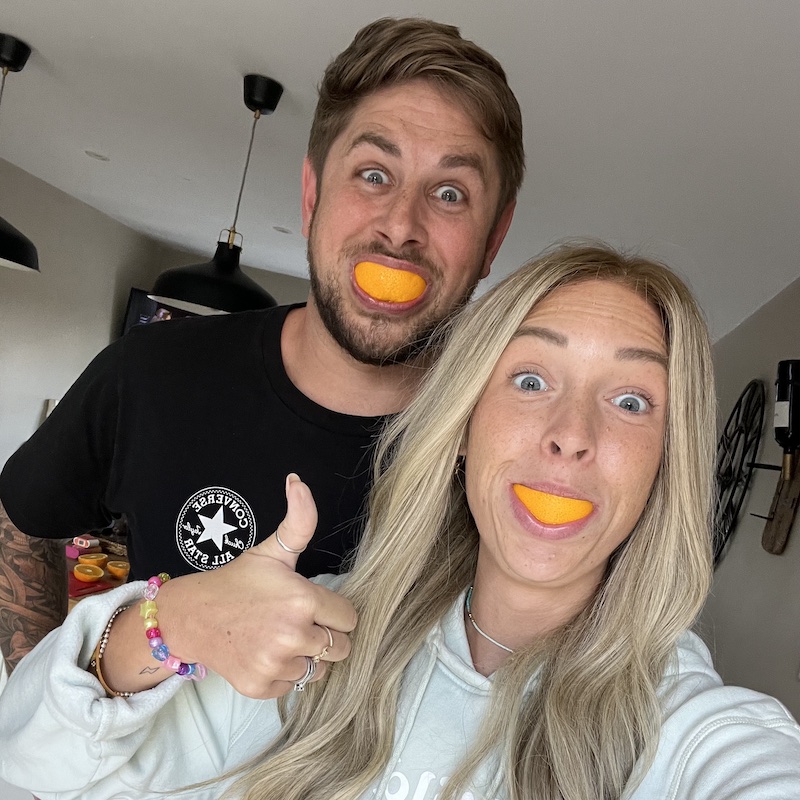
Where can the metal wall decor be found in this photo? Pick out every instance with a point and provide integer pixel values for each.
(736, 452)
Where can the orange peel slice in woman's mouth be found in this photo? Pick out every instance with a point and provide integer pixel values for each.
(387, 284)
(552, 509)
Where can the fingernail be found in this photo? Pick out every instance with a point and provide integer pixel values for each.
(292, 477)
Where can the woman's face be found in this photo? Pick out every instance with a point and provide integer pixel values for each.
(575, 408)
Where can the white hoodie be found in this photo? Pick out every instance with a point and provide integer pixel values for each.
(61, 737)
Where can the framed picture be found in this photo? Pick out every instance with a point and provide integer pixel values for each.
(143, 309)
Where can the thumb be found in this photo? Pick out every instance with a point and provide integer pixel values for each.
(297, 527)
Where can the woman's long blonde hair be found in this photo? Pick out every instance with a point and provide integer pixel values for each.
(590, 725)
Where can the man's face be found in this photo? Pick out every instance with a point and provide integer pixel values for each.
(409, 184)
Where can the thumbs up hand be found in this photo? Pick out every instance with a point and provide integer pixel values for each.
(297, 528)
(255, 620)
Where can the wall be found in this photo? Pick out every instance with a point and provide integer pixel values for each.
(54, 322)
(752, 619)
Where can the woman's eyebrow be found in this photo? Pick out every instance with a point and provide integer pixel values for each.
(642, 354)
(622, 354)
(547, 334)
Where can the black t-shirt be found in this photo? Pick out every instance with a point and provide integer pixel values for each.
(189, 428)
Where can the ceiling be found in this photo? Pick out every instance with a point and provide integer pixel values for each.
(671, 126)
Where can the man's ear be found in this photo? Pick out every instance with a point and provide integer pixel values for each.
(496, 237)
(308, 195)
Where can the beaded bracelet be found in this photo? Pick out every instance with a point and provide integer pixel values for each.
(158, 649)
(97, 657)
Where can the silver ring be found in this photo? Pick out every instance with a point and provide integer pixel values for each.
(311, 669)
(288, 550)
(324, 651)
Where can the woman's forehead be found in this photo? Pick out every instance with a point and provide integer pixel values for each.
(604, 307)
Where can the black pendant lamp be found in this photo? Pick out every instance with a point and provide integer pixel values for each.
(220, 284)
(16, 250)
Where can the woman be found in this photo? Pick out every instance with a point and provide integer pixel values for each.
(537, 548)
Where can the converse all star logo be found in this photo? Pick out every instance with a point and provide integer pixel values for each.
(215, 525)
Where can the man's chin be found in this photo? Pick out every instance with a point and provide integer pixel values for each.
(381, 351)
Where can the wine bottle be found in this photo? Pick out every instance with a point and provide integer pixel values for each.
(787, 412)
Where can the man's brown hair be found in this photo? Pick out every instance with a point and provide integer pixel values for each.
(389, 52)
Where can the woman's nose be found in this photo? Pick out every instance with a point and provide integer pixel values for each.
(571, 432)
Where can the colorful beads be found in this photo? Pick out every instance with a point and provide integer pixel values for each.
(160, 653)
(148, 610)
(173, 663)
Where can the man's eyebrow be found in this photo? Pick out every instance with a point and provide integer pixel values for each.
(381, 142)
(470, 160)
(453, 161)
(622, 354)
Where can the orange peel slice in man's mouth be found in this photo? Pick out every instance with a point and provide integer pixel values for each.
(552, 509)
(387, 284)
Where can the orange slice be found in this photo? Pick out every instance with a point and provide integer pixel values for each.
(87, 573)
(95, 559)
(551, 508)
(389, 285)
(119, 569)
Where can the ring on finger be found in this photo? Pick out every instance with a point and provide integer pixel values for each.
(311, 669)
(288, 549)
(325, 649)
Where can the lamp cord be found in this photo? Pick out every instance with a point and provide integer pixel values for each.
(3, 83)
(244, 175)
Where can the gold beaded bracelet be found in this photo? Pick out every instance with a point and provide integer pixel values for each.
(97, 657)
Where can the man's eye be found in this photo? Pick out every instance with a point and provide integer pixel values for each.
(449, 194)
(530, 382)
(374, 176)
(632, 403)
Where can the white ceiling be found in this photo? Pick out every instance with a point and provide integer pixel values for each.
(670, 126)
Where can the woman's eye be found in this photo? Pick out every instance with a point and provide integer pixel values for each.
(530, 382)
(632, 403)
(374, 176)
(449, 194)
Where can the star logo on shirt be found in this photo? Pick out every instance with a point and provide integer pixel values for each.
(203, 534)
(214, 528)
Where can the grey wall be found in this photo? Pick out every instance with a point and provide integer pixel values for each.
(53, 323)
(752, 619)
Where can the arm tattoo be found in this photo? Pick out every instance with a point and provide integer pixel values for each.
(33, 589)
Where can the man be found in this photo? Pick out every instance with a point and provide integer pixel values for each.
(414, 162)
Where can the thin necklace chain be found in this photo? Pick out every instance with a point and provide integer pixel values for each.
(468, 609)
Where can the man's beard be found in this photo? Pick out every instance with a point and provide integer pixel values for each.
(387, 339)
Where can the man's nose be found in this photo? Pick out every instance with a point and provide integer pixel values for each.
(402, 224)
